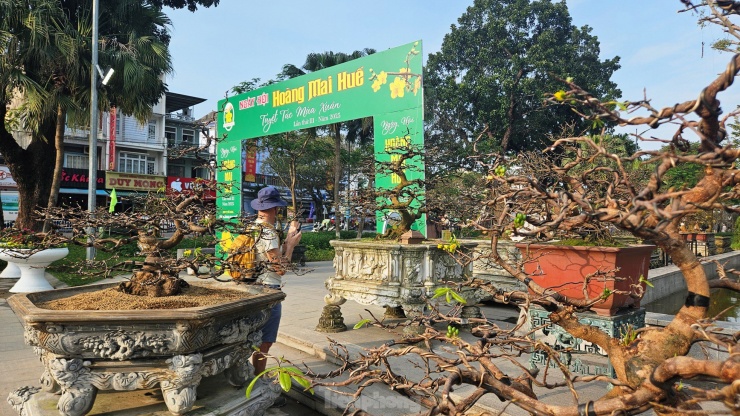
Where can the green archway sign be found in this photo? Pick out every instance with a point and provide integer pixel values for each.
(386, 86)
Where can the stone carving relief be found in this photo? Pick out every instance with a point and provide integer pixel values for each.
(18, 399)
(365, 264)
(80, 380)
(123, 345)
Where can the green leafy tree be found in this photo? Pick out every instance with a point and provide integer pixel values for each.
(487, 83)
(316, 62)
(287, 153)
(45, 73)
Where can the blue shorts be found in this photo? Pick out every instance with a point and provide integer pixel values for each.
(270, 330)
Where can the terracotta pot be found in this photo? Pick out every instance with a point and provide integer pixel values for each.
(701, 236)
(563, 269)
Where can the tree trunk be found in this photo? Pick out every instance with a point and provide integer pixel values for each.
(58, 163)
(511, 113)
(32, 171)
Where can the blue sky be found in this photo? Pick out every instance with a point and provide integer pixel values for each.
(215, 49)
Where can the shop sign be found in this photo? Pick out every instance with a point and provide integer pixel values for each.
(178, 184)
(6, 180)
(78, 178)
(135, 182)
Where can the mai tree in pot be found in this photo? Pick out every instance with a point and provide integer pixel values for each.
(582, 186)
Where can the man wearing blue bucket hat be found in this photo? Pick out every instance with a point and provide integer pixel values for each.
(270, 250)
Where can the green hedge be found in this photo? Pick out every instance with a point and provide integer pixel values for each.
(320, 240)
(736, 236)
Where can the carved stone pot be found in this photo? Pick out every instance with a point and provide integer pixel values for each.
(485, 268)
(391, 275)
(84, 351)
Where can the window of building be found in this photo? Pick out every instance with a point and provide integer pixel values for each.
(135, 163)
(76, 160)
(152, 133)
(170, 133)
(175, 170)
(188, 136)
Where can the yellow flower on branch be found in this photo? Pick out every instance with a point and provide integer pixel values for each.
(417, 85)
(397, 88)
(560, 95)
(383, 77)
(379, 80)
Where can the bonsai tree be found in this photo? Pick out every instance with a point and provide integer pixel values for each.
(580, 185)
(158, 274)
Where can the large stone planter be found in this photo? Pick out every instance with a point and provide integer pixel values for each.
(396, 276)
(173, 349)
(485, 268)
(32, 265)
(564, 269)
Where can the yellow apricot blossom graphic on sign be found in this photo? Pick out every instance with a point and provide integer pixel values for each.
(405, 80)
(397, 87)
(381, 79)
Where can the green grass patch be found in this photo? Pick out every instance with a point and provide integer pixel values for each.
(322, 254)
(67, 269)
(318, 247)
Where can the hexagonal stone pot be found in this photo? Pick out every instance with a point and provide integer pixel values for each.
(84, 351)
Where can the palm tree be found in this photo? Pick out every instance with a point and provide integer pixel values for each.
(315, 62)
(47, 70)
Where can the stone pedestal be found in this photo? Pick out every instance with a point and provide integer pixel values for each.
(721, 243)
(11, 271)
(331, 320)
(580, 356)
(32, 264)
(393, 275)
(394, 312)
(215, 397)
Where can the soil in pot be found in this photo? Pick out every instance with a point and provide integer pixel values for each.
(113, 299)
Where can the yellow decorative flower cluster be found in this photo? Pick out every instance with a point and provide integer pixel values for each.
(451, 245)
(404, 81)
(450, 248)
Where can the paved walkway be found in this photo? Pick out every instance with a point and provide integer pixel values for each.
(297, 341)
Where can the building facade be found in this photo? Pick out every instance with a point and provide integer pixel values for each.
(125, 148)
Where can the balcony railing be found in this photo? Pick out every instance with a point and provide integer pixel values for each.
(179, 117)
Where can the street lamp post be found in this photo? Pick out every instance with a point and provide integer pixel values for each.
(93, 162)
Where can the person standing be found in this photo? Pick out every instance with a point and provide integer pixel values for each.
(275, 254)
